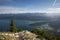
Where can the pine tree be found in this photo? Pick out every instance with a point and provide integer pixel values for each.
(12, 26)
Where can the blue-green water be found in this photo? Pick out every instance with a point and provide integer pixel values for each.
(24, 24)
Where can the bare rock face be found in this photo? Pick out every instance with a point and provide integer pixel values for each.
(26, 35)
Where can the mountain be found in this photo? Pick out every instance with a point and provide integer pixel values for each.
(22, 16)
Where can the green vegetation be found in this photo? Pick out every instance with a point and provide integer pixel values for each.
(44, 34)
(12, 27)
(40, 32)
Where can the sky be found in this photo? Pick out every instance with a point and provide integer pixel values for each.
(29, 6)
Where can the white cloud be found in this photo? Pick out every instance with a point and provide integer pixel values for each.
(57, 4)
(54, 3)
(7, 9)
(53, 10)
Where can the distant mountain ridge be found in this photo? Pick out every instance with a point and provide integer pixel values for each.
(24, 16)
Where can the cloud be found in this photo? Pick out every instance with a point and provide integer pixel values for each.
(53, 10)
(8, 9)
(54, 3)
(57, 4)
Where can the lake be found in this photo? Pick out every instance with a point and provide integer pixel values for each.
(24, 24)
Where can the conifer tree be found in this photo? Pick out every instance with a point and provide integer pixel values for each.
(12, 26)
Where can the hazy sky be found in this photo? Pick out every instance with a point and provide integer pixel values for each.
(23, 6)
